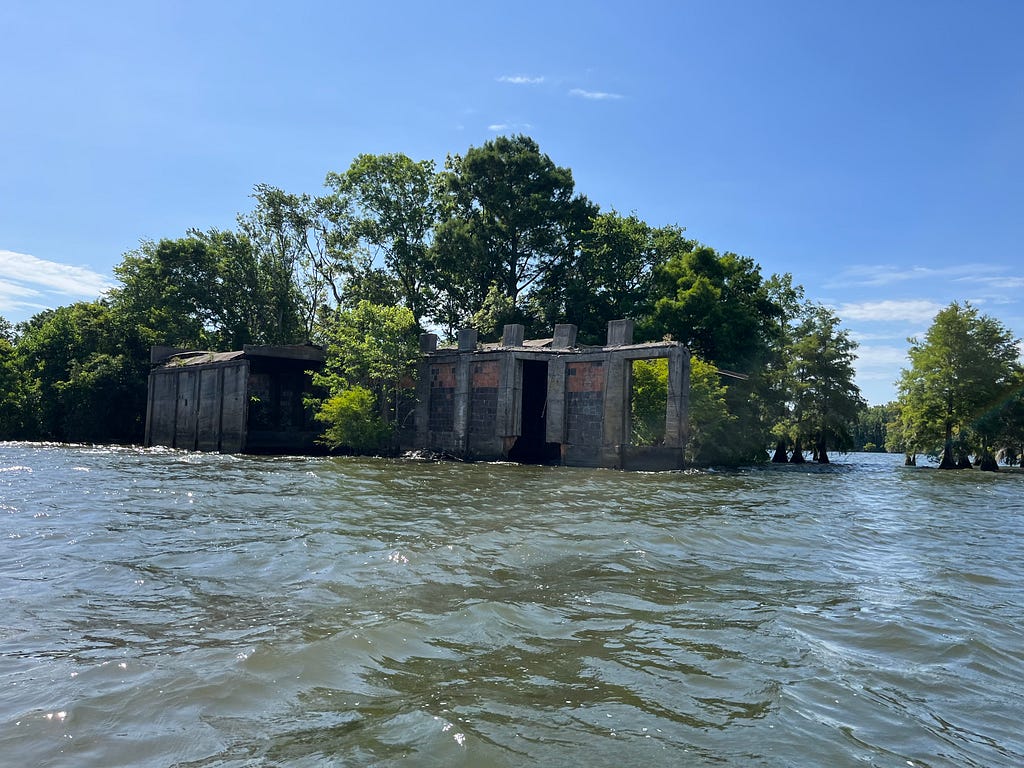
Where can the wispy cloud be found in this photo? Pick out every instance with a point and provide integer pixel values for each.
(28, 282)
(875, 275)
(594, 95)
(499, 127)
(910, 310)
(521, 79)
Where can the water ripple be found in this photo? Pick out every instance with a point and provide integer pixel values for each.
(179, 609)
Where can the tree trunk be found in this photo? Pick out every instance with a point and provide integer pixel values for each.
(911, 460)
(822, 451)
(948, 462)
(798, 453)
(964, 462)
(779, 457)
(988, 462)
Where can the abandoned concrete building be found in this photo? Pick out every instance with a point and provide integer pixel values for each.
(547, 401)
(249, 401)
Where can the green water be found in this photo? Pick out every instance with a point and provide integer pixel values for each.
(172, 609)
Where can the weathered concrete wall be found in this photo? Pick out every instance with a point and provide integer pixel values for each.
(483, 408)
(198, 407)
(441, 408)
(584, 409)
(472, 400)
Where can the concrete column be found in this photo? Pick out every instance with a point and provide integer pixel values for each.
(467, 339)
(461, 403)
(565, 336)
(422, 416)
(616, 409)
(513, 335)
(428, 343)
(555, 423)
(620, 333)
(677, 408)
(510, 397)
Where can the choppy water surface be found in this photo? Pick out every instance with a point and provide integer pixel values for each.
(170, 609)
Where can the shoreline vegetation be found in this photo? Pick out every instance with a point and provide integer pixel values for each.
(394, 247)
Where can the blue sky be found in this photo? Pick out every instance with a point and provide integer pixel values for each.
(875, 150)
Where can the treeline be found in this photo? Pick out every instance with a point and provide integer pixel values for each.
(394, 246)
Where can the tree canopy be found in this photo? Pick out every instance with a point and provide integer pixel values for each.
(392, 246)
(963, 375)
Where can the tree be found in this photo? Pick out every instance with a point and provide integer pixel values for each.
(959, 374)
(87, 373)
(612, 276)
(729, 316)
(15, 411)
(710, 423)
(295, 250)
(395, 213)
(871, 432)
(509, 215)
(371, 352)
(208, 290)
(826, 401)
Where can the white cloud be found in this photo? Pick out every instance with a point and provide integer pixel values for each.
(497, 127)
(881, 357)
(594, 95)
(911, 310)
(31, 283)
(521, 79)
(887, 274)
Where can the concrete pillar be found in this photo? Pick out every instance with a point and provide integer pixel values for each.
(555, 422)
(510, 397)
(428, 343)
(616, 409)
(423, 400)
(565, 336)
(620, 333)
(467, 339)
(461, 403)
(677, 408)
(512, 335)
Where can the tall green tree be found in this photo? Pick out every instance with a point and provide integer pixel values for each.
(731, 317)
(826, 401)
(960, 373)
(395, 211)
(87, 370)
(208, 290)
(16, 420)
(611, 277)
(295, 242)
(509, 216)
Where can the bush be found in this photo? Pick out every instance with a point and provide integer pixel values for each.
(352, 423)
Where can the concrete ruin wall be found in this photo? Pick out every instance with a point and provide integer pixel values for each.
(250, 401)
(471, 399)
(199, 408)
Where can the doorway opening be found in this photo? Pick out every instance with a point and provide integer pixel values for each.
(530, 447)
(648, 401)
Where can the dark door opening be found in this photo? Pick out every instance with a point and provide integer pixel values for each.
(530, 447)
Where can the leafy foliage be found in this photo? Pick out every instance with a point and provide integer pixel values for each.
(351, 422)
(649, 398)
(961, 375)
(509, 215)
(370, 349)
